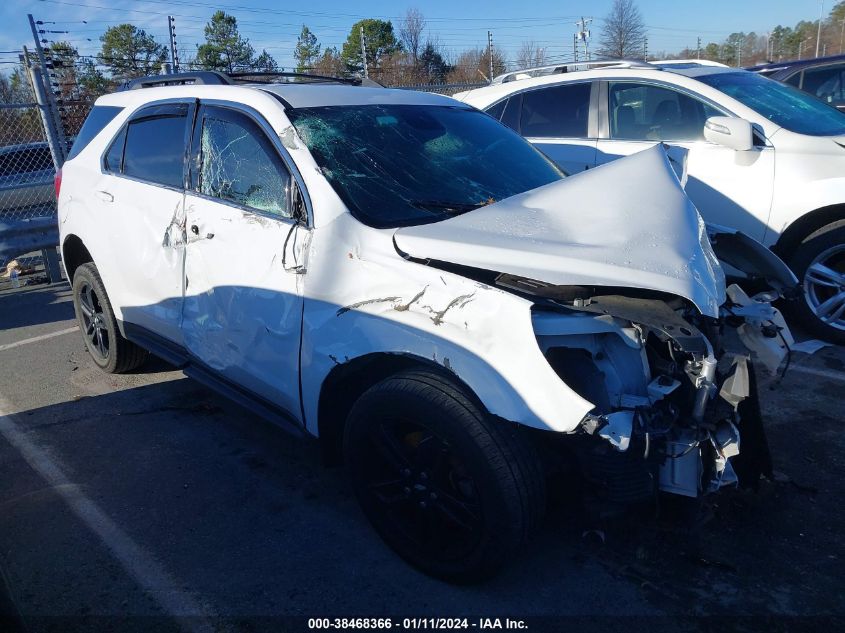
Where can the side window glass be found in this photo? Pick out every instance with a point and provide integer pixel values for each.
(98, 118)
(645, 112)
(559, 111)
(510, 115)
(239, 164)
(795, 80)
(113, 160)
(155, 147)
(825, 83)
(496, 110)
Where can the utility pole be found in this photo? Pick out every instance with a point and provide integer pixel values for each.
(575, 47)
(841, 34)
(174, 51)
(584, 35)
(699, 48)
(50, 104)
(364, 52)
(801, 47)
(739, 52)
(819, 34)
(490, 50)
(645, 50)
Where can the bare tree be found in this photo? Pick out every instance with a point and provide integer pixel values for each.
(624, 32)
(530, 55)
(410, 32)
(473, 65)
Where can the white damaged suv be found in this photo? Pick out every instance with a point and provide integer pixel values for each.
(413, 283)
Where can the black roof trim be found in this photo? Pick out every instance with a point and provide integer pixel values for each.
(774, 67)
(213, 77)
(202, 77)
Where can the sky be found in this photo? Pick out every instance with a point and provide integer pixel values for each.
(671, 25)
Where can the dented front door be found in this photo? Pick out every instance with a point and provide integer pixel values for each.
(243, 304)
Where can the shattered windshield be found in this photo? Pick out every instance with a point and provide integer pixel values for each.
(399, 165)
(784, 105)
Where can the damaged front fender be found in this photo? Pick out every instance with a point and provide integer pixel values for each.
(382, 303)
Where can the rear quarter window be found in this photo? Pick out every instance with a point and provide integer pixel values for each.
(155, 146)
(496, 111)
(98, 118)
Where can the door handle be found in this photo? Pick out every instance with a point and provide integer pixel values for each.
(105, 196)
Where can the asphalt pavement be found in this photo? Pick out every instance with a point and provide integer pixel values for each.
(147, 502)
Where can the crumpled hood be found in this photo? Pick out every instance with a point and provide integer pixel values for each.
(628, 223)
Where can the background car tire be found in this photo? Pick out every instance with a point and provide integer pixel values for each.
(827, 248)
(485, 475)
(110, 351)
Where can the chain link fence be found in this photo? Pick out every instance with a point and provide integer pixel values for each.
(72, 115)
(27, 195)
(444, 89)
(26, 164)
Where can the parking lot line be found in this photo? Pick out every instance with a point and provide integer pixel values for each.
(143, 568)
(35, 339)
(822, 373)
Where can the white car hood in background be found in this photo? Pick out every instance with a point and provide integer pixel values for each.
(628, 223)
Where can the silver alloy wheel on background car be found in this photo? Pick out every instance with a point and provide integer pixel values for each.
(824, 286)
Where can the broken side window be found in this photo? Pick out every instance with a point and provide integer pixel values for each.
(239, 164)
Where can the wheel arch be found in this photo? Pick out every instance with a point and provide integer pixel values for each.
(809, 224)
(347, 381)
(74, 254)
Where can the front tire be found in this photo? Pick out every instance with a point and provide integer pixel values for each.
(453, 491)
(109, 350)
(819, 262)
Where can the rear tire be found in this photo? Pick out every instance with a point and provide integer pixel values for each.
(109, 350)
(819, 263)
(453, 491)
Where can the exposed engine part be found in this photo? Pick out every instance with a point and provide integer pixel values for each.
(614, 477)
(681, 471)
(737, 386)
(661, 387)
(618, 429)
(667, 392)
(763, 330)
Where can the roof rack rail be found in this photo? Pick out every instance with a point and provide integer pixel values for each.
(568, 67)
(244, 77)
(203, 77)
(213, 77)
(686, 63)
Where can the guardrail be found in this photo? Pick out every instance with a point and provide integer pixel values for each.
(18, 237)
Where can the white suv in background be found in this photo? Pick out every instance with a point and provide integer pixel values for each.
(763, 158)
(414, 283)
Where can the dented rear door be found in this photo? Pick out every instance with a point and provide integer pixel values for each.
(140, 203)
(242, 313)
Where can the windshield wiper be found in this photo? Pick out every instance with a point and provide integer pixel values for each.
(446, 206)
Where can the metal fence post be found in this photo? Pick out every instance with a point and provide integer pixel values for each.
(50, 104)
(49, 123)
